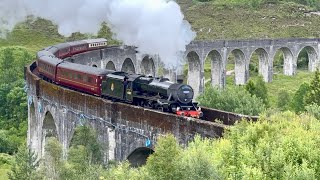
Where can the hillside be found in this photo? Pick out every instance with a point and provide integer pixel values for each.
(213, 20)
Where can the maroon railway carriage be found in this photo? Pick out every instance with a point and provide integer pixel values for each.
(87, 79)
(47, 67)
(68, 49)
(84, 78)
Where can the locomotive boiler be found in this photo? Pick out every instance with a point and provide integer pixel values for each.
(151, 92)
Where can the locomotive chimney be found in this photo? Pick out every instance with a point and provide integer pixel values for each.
(180, 79)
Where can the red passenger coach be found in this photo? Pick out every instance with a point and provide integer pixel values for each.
(47, 67)
(68, 49)
(83, 78)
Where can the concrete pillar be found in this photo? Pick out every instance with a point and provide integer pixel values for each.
(240, 67)
(217, 72)
(224, 65)
(111, 144)
(290, 62)
(263, 64)
(313, 55)
(102, 65)
(195, 79)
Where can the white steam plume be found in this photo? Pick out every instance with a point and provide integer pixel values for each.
(156, 27)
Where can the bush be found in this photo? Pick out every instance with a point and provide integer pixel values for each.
(163, 163)
(283, 146)
(258, 88)
(313, 95)
(283, 100)
(5, 159)
(297, 103)
(233, 99)
(313, 110)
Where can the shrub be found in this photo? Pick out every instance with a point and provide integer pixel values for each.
(5, 159)
(283, 146)
(234, 99)
(313, 95)
(283, 100)
(313, 109)
(297, 103)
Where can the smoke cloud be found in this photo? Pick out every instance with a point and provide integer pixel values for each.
(156, 27)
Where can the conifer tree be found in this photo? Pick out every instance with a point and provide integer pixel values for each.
(24, 166)
(313, 95)
(297, 103)
(105, 32)
(261, 90)
(250, 87)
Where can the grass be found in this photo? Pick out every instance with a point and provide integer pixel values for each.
(222, 20)
(287, 83)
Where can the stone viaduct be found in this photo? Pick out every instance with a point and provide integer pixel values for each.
(125, 131)
(218, 52)
(129, 132)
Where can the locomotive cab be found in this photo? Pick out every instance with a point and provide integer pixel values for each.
(118, 85)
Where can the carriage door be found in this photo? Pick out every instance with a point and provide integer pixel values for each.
(129, 92)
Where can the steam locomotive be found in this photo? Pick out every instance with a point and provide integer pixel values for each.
(141, 90)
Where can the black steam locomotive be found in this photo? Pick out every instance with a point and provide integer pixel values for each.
(149, 92)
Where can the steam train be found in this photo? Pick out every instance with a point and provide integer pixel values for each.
(141, 90)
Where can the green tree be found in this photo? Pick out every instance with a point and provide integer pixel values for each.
(251, 87)
(196, 160)
(78, 36)
(283, 100)
(162, 164)
(105, 32)
(12, 95)
(313, 95)
(261, 90)
(51, 166)
(258, 89)
(123, 171)
(86, 136)
(233, 99)
(271, 148)
(24, 166)
(18, 107)
(297, 103)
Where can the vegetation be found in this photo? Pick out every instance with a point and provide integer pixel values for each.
(271, 148)
(233, 99)
(313, 95)
(235, 19)
(258, 89)
(257, 3)
(283, 100)
(24, 166)
(298, 104)
(13, 109)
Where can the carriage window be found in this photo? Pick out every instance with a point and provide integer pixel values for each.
(79, 76)
(89, 79)
(85, 78)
